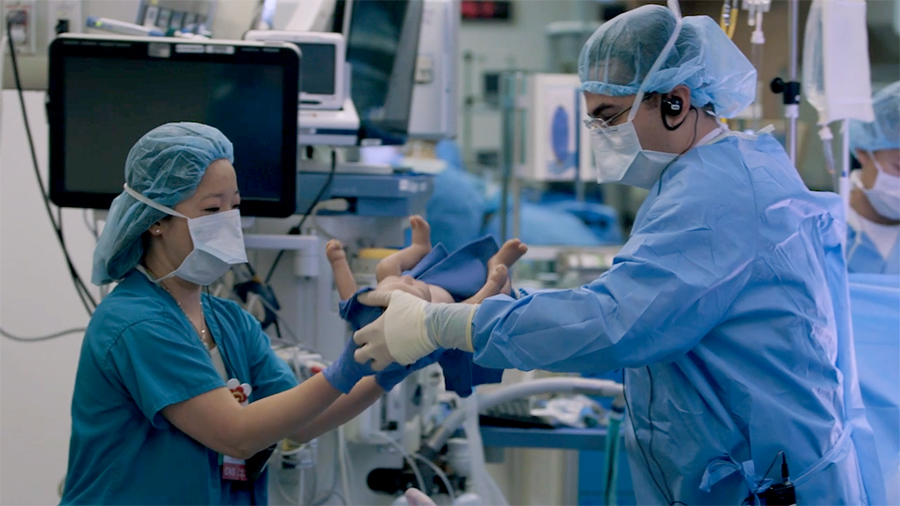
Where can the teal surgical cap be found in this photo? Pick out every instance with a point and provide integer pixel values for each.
(616, 60)
(165, 165)
(884, 132)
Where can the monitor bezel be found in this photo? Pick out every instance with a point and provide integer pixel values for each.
(394, 128)
(100, 46)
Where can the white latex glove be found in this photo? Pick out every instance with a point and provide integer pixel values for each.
(411, 328)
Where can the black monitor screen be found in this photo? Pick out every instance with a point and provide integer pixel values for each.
(103, 102)
(319, 60)
(382, 48)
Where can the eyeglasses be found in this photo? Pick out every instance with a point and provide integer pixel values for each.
(597, 123)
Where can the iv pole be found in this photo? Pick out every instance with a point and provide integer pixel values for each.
(790, 90)
(792, 109)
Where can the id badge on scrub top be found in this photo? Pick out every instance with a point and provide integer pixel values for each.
(236, 469)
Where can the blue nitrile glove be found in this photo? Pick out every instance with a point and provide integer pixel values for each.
(345, 372)
(393, 374)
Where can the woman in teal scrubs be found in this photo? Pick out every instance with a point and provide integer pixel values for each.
(178, 394)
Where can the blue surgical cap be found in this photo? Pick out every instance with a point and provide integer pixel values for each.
(884, 132)
(165, 165)
(617, 57)
(448, 150)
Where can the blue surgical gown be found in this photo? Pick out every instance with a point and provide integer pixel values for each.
(728, 306)
(141, 354)
(875, 300)
(864, 257)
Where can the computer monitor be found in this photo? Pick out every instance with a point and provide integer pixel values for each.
(382, 48)
(106, 92)
(323, 85)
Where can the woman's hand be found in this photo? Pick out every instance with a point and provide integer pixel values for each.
(396, 373)
(344, 373)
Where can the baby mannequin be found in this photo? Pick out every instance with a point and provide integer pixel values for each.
(388, 272)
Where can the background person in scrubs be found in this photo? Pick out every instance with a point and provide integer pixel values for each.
(874, 215)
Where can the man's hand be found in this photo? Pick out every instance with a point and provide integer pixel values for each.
(411, 328)
(399, 335)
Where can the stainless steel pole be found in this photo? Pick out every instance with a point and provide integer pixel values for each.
(792, 111)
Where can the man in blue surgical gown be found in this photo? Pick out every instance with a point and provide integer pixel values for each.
(727, 306)
(873, 244)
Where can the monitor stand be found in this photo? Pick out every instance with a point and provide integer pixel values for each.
(346, 167)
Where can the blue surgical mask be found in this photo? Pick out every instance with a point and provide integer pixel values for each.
(218, 243)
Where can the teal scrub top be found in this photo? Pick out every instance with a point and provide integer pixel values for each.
(141, 354)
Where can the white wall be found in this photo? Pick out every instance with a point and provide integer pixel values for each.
(36, 297)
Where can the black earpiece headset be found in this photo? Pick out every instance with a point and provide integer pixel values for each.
(671, 106)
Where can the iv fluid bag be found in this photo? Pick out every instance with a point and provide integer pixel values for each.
(836, 78)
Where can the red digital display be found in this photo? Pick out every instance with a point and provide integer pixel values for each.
(486, 9)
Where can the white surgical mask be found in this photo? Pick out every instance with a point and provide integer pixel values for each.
(218, 243)
(618, 154)
(884, 194)
(620, 158)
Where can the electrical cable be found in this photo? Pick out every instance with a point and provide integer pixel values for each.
(86, 298)
(409, 460)
(80, 288)
(344, 461)
(40, 338)
(284, 495)
(441, 474)
(277, 330)
(339, 496)
(2, 65)
(296, 230)
(280, 319)
(769, 470)
(345, 454)
(92, 228)
(650, 443)
(637, 440)
(334, 475)
(314, 475)
(335, 205)
(336, 468)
